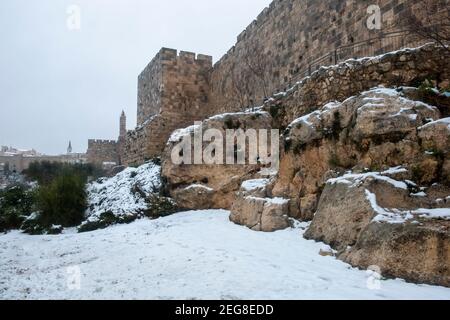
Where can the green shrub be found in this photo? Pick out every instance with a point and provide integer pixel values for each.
(159, 206)
(32, 225)
(63, 201)
(16, 203)
(105, 220)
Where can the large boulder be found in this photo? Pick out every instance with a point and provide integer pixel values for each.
(373, 219)
(345, 209)
(254, 208)
(417, 251)
(261, 214)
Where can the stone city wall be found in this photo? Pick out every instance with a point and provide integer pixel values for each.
(101, 151)
(288, 36)
(173, 93)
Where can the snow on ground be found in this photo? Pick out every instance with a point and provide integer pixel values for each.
(191, 255)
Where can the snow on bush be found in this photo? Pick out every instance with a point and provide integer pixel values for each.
(123, 198)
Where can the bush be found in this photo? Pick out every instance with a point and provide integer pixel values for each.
(105, 220)
(160, 206)
(16, 203)
(32, 226)
(63, 201)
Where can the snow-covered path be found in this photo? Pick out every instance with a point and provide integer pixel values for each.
(190, 255)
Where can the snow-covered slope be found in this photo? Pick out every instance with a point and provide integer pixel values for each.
(191, 255)
(124, 195)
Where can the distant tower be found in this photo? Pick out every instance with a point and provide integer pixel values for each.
(123, 125)
(69, 148)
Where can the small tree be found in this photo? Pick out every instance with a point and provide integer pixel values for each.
(258, 64)
(430, 22)
(63, 202)
(240, 89)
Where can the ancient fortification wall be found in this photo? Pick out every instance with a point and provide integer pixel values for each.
(100, 151)
(173, 92)
(290, 34)
(408, 67)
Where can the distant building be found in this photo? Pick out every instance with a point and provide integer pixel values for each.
(17, 160)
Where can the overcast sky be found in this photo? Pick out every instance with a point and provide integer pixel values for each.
(58, 84)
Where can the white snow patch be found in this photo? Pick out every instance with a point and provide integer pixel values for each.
(419, 194)
(386, 215)
(443, 120)
(177, 135)
(382, 90)
(251, 185)
(280, 201)
(395, 216)
(199, 186)
(305, 119)
(355, 179)
(440, 213)
(224, 115)
(395, 170)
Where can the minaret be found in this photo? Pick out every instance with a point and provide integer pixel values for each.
(123, 125)
(69, 148)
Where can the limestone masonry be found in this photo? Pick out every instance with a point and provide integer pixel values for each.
(287, 41)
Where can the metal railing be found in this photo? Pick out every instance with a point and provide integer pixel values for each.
(385, 43)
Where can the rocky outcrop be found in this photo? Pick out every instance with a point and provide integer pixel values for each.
(376, 129)
(373, 219)
(204, 186)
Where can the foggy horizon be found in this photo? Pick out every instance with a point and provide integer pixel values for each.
(59, 84)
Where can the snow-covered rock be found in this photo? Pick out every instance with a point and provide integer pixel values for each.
(373, 219)
(254, 208)
(130, 194)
